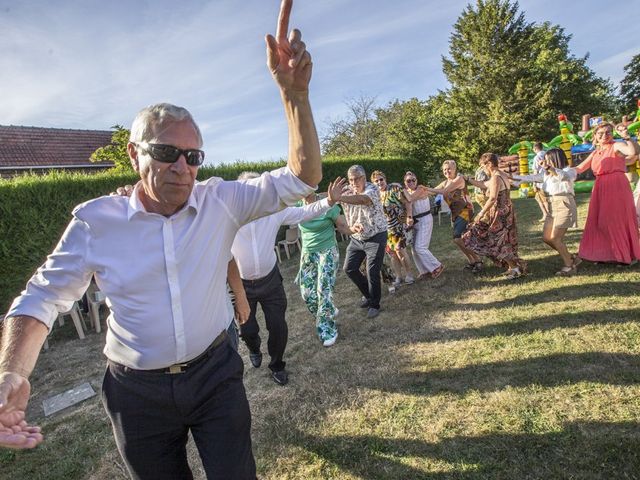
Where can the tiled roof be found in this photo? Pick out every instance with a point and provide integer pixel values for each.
(43, 147)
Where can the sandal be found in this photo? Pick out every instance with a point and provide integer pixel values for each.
(566, 271)
(513, 273)
(477, 267)
(576, 260)
(436, 273)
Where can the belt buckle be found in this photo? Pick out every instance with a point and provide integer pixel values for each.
(177, 368)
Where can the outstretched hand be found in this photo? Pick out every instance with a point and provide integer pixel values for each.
(14, 431)
(287, 57)
(336, 189)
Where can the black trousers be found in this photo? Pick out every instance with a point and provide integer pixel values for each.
(152, 413)
(269, 293)
(373, 250)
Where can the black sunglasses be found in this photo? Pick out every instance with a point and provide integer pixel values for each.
(171, 154)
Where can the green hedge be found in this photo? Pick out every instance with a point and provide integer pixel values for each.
(35, 209)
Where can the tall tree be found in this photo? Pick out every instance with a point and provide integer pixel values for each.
(510, 78)
(356, 134)
(630, 86)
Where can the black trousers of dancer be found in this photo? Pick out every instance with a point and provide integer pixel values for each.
(269, 293)
(371, 249)
(153, 411)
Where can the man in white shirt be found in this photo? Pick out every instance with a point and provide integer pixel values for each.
(161, 259)
(254, 254)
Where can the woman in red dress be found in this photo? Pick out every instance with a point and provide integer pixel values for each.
(611, 231)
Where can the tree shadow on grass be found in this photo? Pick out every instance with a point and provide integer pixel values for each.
(543, 323)
(567, 293)
(579, 450)
(548, 371)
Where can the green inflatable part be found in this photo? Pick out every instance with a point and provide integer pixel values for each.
(583, 186)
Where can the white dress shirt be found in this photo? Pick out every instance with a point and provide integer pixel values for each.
(253, 245)
(559, 184)
(164, 277)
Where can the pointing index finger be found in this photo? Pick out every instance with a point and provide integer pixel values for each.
(283, 20)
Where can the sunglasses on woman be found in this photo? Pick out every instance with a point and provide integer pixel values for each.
(170, 154)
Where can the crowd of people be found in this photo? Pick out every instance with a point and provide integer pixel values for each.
(167, 253)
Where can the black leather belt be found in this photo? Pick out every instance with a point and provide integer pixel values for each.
(182, 367)
(423, 214)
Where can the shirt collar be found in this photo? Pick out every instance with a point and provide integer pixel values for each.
(135, 206)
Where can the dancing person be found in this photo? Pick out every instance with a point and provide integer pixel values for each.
(367, 226)
(161, 258)
(557, 184)
(258, 266)
(611, 230)
(538, 169)
(427, 264)
(397, 210)
(454, 191)
(318, 268)
(493, 233)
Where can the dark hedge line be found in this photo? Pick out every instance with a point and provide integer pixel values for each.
(34, 210)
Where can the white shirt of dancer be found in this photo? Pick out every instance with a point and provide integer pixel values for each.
(253, 245)
(559, 184)
(164, 277)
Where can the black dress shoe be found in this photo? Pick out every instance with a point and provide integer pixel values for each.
(256, 359)
(281, 377)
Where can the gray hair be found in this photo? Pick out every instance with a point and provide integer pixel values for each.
(452, 163)
(356, 171)
(248, 175)
(146, 125)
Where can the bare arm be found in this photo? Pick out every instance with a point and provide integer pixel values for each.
(22, 339)
(241, 306)
(290, 65)
(341, 224)
(585, 164)
(455, 184)
(357, 199)
(492, 194)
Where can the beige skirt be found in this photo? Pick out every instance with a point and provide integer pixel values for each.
(563, 211)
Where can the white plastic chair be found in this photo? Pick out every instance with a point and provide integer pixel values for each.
(444, 210)
(95, 299)
(277, 249)
(76, 317)
(291, 237)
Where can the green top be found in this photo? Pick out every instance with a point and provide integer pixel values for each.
(319, 234)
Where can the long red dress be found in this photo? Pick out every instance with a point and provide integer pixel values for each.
(611, 231)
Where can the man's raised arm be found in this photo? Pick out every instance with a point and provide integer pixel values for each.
(290, 65)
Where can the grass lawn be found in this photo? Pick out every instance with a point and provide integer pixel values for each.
(462, 377)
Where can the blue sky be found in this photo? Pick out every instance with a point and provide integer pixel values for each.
(92, 64)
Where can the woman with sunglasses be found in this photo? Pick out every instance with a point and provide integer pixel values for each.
(611, 230)
(556, 181)
(426, 263)
(399, 215)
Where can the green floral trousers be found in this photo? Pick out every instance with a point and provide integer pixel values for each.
(317, 277)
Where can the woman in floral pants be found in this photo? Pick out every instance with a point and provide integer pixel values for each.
(318, 268)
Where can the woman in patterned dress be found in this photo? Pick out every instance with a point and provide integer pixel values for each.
(397, 210)
(319, 266)
(493, 233)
